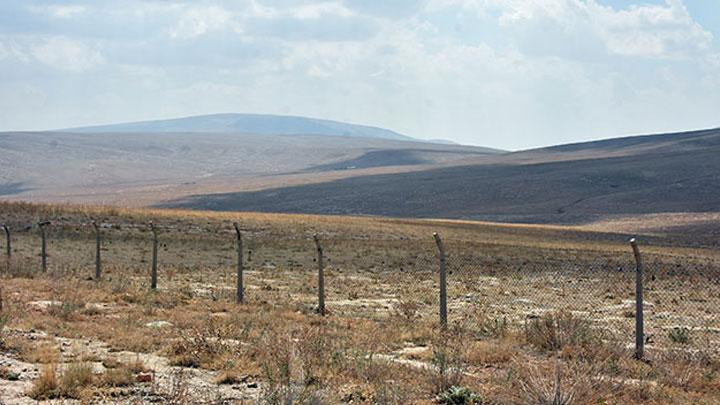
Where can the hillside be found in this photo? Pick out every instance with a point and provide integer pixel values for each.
(607, 184)
(248, 124)
(564, 184)
(142, 168)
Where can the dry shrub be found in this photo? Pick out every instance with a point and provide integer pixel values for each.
(407, 310)
(390, 393)
(74, 379)
(43, 353)
(46, 385)
(117, 377)
(118, 374)
(555, 331)
(556, 384)
(277, 369)
(65, 310)
(203, 345)
(69, 302)
(319, 353)
(689, 370)
(493, 352)
(289, 376)
(4, 320)
(231, 377)
(448, 361)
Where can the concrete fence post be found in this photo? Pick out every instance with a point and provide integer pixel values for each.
(43, 244)
(639, 321)
(153, 274)
(8, 247)
(239, 295)
(321, 276)
(98, 259)
(7, 259)
(443, 281)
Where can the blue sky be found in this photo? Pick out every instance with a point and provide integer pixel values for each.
(503, 73)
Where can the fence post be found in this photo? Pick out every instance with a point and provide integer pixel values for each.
(7, 259)
(98, 259)
(443, 281)
(639, 321)
(239, 297)
(153, 274)
(321, 276)
(8, 248)
(43, 246)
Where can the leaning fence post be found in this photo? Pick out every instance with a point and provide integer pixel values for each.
(321, 276)
(239, 298)
(443, 281)
(639, 321)
(153, 274)
(98, 260)
(43, 246)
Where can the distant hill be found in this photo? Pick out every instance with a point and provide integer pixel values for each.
(354, 170)
(143, 168)
(248, 124)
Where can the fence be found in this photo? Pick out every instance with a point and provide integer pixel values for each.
(661, 300)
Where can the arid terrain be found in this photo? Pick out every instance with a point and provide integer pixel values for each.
(536, 313)
(601, 184)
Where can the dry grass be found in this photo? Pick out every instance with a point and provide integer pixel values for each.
(380, 343)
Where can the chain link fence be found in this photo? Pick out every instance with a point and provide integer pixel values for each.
(490, 289)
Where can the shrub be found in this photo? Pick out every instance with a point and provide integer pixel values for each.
(448, 360)
(459, 396)
(554, 331)
(45, 386)
(679, 335)
(71, 383)
(4, 320)
(118, 377)
(75, 378)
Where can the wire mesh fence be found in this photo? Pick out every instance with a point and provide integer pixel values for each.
(488, 290)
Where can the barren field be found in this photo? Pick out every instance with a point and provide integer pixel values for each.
(537, 314)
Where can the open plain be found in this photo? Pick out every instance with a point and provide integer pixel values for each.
(535, 312)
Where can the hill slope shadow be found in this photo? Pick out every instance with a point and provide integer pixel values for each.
(572, 191)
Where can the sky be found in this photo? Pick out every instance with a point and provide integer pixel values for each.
(510, 74)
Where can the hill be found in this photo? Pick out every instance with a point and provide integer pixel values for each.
(142, 168)
(669, 179)
(247, 124)
(579, 183)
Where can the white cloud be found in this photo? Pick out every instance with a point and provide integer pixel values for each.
(198, 21)
(66, 54)
(68, 11)
(315, 11)
(62, 12)
(648, 30)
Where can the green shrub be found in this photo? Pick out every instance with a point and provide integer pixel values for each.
(459, 396)
(679, 335)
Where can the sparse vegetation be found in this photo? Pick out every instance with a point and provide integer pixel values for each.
(679, 335)
(381, 342)
(555, 331)
(459, 396)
